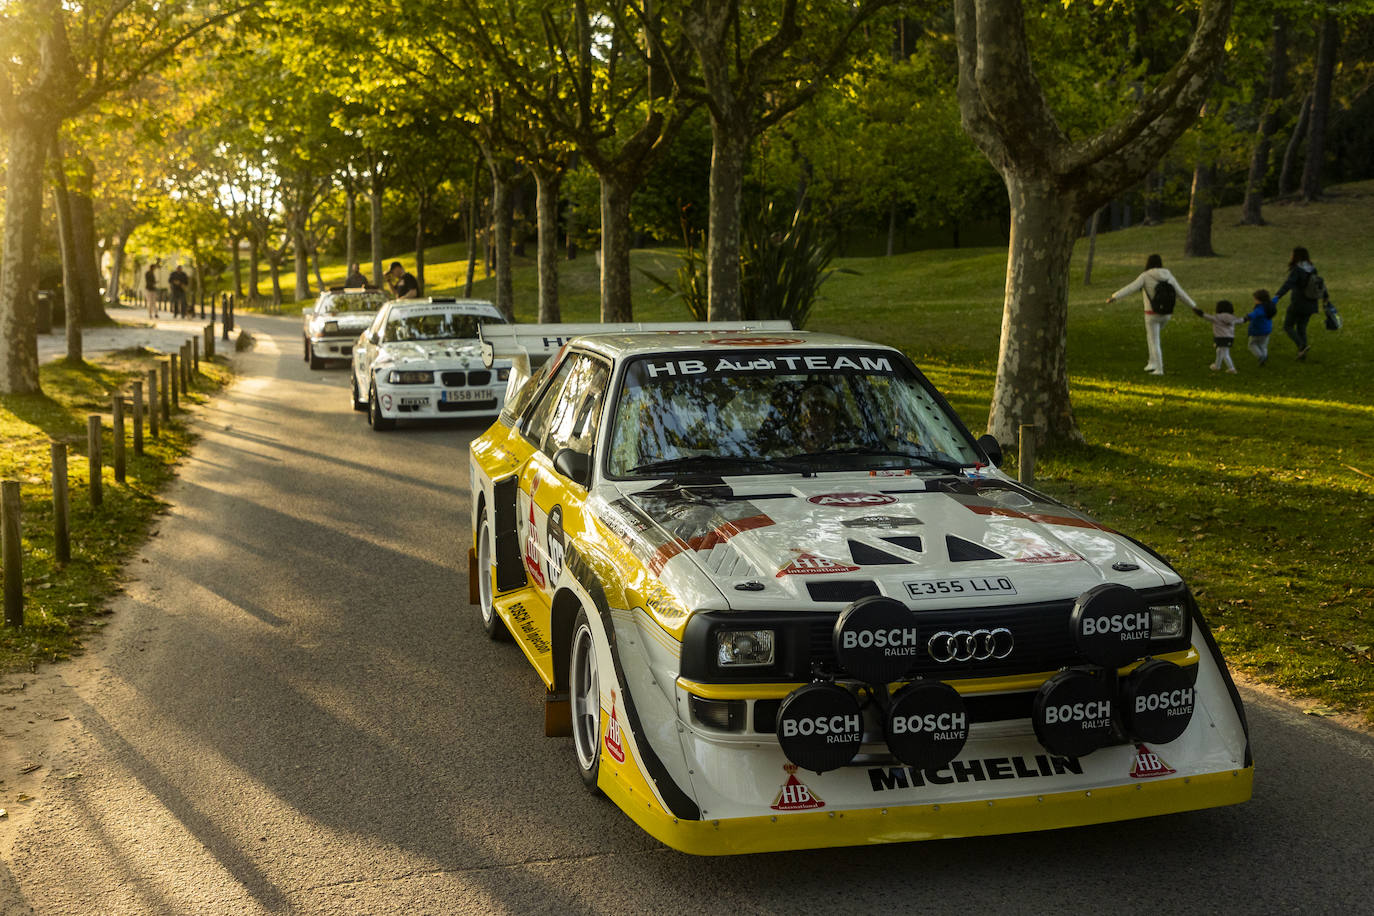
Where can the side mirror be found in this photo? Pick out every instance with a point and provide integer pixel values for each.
(991, 447)
(575, 466)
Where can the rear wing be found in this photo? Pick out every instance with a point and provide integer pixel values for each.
(527, 346)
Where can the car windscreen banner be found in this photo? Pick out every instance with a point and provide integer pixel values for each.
(762, 361)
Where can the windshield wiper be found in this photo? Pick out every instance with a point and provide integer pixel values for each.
(701, 463)
(930, 460)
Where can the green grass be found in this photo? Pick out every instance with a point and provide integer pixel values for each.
(61, 602)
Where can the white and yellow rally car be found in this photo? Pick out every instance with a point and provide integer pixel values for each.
(781, 599)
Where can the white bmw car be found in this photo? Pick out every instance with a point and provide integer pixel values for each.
(420, 359)
(331, 325)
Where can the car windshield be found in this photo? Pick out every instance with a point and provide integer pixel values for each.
(437, 325)
(362, 302)
(769, 411)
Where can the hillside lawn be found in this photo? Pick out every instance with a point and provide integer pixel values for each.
(1258, 486)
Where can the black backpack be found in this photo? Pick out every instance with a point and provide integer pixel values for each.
(1314, 287)
(1162, 302)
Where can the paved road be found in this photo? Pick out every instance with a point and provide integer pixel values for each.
(294, 711)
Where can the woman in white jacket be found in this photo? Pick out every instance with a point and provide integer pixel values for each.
(1148, 282)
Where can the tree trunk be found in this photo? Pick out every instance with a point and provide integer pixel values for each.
(1198, 243)
(376, 229)
(1321, 108)
(27, 144)
(237, 260)
(728, 148)
(83, 238)
(616, 302)
(301, 259)
(1154, 199)
(1032, 376)
(891, 228)
(315, 265)
(421, 209)
(1092, 246)
(274, 265)
(473, 209)
(254, 258)
(547, 184)
(1290, 154)
(350, 227)
(71, 280)
(117, 251)
(502, 217)
(1251, 208)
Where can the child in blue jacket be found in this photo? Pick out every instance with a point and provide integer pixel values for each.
(1261, 320)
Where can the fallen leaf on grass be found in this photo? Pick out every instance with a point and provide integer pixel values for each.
(1326, 711)
(23, 797)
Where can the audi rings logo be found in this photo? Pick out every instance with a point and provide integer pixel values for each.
(970, 645)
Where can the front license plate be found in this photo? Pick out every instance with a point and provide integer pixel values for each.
(946, 588)
(463, 394)
(414, 402)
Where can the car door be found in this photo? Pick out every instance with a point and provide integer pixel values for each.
(550, 503)
(366, 350)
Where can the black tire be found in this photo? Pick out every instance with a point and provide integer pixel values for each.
(358, 403)
(375, 419)
(315, 361)
(492, 623)
(306, 354)
(584, 698)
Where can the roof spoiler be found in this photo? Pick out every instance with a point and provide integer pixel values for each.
(529, 345)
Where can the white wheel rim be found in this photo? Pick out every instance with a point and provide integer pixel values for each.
(484, 576)
(586, 697)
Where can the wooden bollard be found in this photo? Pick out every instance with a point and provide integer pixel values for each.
(117, 421)
(1025, 455)
(137, 400)
(13, 552)
(176, 381)
(210, 334)
(166, 370)
(60, 504)
(195, 355)
(185, 353)
(93, 457)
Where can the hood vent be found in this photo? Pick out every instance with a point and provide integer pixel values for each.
(910, 542)
(867, 555)
(851, 590)
(962, 551)
(725, 560)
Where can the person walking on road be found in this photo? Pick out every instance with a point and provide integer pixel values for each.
(1308, 291)
(179, 281)
(1160, 289)
(150, 288)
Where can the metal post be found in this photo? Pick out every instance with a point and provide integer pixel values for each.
(93, 457)
(137, 399)
(1025, 455)
(61, 503)
(117, 421)
(14, 554)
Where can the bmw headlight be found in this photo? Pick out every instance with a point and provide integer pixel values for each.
(409, 377)
(1168, 621)
(744, 648)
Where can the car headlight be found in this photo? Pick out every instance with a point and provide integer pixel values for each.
(331, 327)
(502, 375)
(744, 648)
(409, 377)
(1168, 621)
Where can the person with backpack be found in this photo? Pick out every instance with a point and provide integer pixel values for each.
(1161, 291)
(1308, 290)
(1261, 319)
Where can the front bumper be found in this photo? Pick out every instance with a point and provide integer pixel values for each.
(436, 401)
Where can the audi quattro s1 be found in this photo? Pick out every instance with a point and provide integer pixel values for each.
(780, 598)
(333, 323)
(420, 359)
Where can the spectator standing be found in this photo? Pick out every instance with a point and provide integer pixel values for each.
(1261, 319)
(1223, 333)
(1148, 283)
(179, 281)
(355, 278)
(403, 284)
(150, 288)
(1308, 291)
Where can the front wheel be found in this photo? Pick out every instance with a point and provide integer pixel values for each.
(491, 621)
(379, 422)
(584, 690)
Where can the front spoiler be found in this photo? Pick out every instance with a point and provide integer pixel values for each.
(906, 823)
